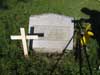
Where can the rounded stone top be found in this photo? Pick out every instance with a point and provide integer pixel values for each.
(50, 19)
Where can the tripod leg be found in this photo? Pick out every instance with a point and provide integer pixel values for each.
(87, 59)
(80, 62)
(80, 57)
(58, 60)
(97, 58)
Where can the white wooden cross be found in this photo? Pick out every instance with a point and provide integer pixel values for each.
(24, 37)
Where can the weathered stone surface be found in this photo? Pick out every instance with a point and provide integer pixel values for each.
(57, 29)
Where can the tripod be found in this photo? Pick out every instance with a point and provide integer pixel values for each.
(82, 42)
(80, 46)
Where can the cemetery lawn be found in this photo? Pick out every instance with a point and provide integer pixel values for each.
(15, 14)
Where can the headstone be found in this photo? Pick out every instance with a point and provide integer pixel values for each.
(57, 30)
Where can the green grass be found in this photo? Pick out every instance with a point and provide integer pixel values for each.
(17, 15)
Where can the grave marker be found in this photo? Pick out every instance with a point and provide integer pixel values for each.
(57, 29)
(23, 37)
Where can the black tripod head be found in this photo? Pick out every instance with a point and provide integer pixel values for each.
(79, 22)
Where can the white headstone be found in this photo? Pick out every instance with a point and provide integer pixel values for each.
(57, 29)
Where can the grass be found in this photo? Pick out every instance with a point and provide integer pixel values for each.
(17, 15)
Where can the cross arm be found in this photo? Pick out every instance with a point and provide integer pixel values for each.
(27, 37)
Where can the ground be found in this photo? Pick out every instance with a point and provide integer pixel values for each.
(15, 14)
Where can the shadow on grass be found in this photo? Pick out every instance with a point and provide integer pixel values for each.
(94, 19)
